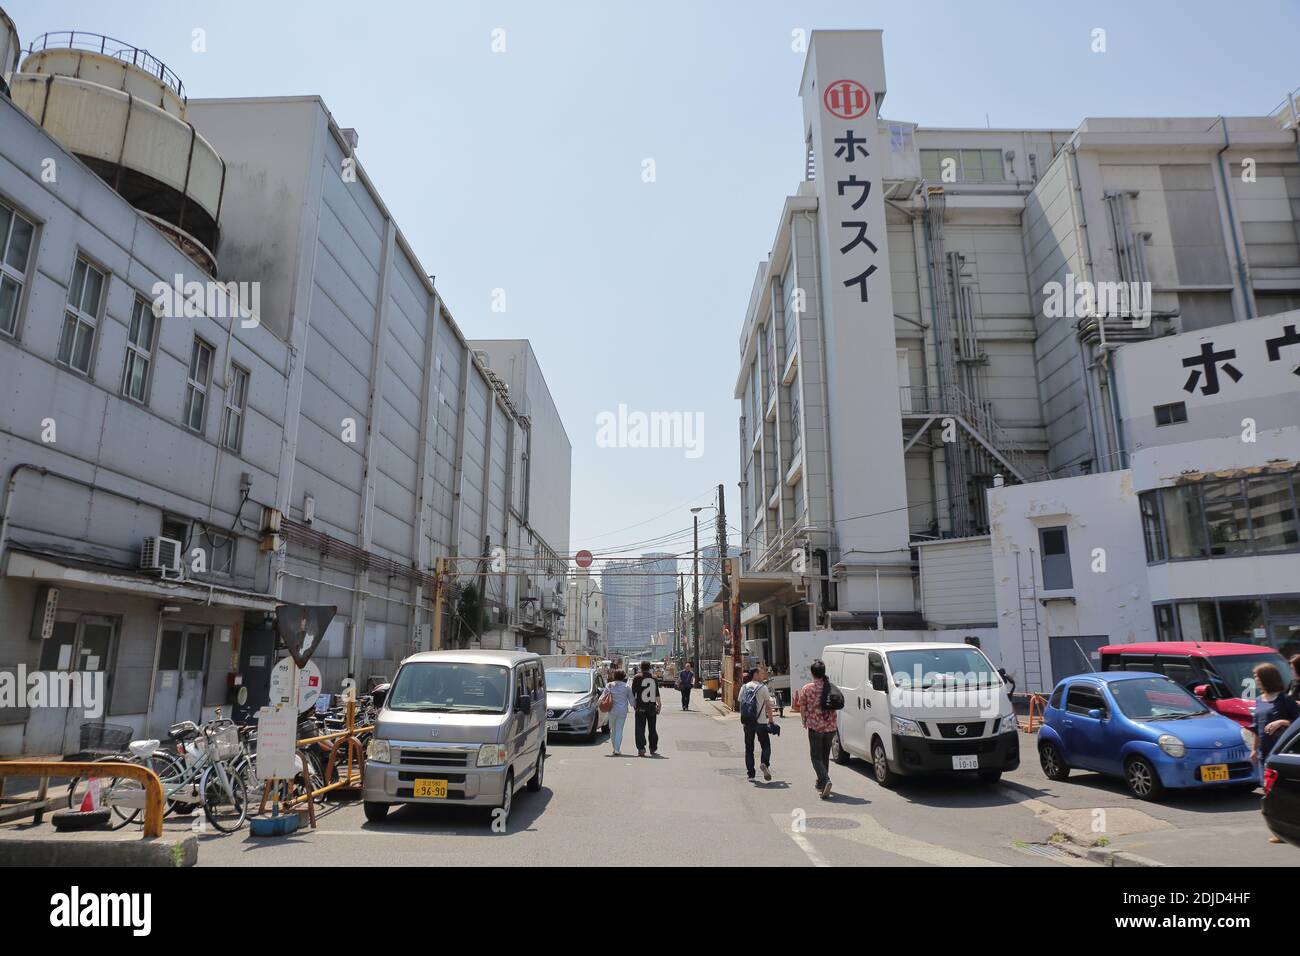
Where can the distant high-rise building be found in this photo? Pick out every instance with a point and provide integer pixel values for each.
(639, 597)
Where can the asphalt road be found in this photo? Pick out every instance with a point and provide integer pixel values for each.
(692, 805)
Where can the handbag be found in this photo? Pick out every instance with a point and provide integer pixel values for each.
(606, 702)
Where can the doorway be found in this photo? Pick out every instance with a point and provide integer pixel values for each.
(178, 684)
(79, 644)
(1071, 654)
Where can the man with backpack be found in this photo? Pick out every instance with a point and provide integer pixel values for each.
(755, 703)
(817, 702)
(646, 704)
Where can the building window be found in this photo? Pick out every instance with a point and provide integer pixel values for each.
(1227, 518)
(196, 389)
(140, 340)
(81, 318)
(1198, 621)
(1272, 509)
(795, 435)
(221, 551)
(1166, 627)
(1184, 522)
(1055, 546)
(1172, 414)
(967, 165)
(16, 235)
(232, 426)
(1152, 532)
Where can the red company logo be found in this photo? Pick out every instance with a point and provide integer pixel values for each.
(847, 99)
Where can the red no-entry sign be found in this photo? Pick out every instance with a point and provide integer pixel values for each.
(583, 558)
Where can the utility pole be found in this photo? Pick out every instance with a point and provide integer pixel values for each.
(695, 573)
(730, 607)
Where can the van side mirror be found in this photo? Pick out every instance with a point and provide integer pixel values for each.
(1204, 691)
(878, 682)
(523, 701)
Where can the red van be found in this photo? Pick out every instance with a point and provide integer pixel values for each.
(1218, 672)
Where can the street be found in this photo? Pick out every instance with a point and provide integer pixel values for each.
(692, 803)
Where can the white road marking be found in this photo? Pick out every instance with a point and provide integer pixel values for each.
(809, 850)
(871, 833)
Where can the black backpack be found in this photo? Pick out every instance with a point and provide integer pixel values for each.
(832, 699)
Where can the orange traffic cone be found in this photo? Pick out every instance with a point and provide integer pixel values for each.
(91, 800)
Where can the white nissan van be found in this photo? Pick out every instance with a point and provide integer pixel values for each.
(922, 709)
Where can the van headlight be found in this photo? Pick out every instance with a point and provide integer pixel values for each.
(1009, 725)
(905, 728)
(491, 755)
(379, 750)
(1172, 745)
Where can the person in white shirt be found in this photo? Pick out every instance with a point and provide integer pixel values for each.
(755, 702)
(621, 695)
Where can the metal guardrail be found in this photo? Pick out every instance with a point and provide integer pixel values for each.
(44, 769)
(108, 46)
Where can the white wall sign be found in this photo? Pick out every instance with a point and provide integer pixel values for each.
(308, 684)
(277, 736)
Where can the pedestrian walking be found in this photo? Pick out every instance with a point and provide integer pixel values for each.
(685, 681)
(755, 703)
(813, 704)
(620, 696)
(1293, 691)
(646, 704)
(1274, 713)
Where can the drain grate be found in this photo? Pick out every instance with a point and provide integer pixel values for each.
(831, 823)
(1048, 850)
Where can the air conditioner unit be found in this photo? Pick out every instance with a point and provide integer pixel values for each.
(162, 555)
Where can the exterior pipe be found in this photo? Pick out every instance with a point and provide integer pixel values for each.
(1246, 297)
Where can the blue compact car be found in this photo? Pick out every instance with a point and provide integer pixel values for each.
(1146, 729)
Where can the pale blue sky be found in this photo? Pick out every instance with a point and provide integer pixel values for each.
(522, 170)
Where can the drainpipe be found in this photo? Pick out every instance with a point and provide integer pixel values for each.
(826, 398)
(1246, 297)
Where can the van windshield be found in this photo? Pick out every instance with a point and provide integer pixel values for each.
(446, 686)
(1237, 671)
(942, 667)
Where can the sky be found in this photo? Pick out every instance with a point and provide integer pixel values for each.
(524, 170)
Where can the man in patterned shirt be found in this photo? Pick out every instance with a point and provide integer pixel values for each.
(821, 723)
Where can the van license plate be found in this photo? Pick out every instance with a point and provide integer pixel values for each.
(966, 763)
(1214, 772)
(435, 789)
(552, 725)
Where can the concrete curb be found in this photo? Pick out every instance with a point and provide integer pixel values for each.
(164, 852)
(1104, 855)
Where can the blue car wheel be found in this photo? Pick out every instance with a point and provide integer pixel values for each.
(1142, 780)
(1052, 762)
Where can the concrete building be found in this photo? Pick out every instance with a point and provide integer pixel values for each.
(302, 421)
(1198, 540)
(586, 619)
(941, 307)
(640, 596)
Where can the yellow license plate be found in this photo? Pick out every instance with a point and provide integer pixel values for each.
(1214, 772)
(437, 789)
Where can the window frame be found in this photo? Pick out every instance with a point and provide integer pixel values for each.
(1065, 558)
(134, 350)
(7, 271)
(229, 408)
(80, 317)
(192, 386)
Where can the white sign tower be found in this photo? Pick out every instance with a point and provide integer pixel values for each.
(842, 88)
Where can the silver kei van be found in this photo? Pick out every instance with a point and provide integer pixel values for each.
(459, 727)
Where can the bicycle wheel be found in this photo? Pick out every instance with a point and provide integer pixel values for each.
(111, 790)
(126, 797)
(225, 798)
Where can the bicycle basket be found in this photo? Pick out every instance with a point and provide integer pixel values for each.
(223, 738)
(105, 738)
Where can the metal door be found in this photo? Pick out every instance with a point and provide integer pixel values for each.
(83, 645)
(1074, 654)
(178, 687)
